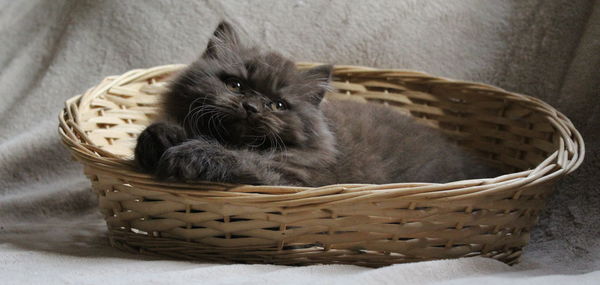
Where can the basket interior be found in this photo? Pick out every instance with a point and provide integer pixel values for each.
(512, 134)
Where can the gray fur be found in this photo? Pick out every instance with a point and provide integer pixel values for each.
(211, 133)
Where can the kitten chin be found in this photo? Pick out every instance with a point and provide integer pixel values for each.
(239, 115)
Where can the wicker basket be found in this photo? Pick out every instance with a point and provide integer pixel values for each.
(370, 225)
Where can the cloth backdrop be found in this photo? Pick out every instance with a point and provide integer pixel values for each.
(50, 231)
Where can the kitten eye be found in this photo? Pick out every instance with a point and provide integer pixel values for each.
(278, 105)
(233, 84)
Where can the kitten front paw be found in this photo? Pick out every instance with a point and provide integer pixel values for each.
(202, 161)
(194, 160)
(154, 141)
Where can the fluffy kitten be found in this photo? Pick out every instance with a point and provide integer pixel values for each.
(240, 115)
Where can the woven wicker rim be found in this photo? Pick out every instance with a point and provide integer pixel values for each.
(564, 160)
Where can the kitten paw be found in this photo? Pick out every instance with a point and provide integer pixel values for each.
(154, 141)
(202, 161)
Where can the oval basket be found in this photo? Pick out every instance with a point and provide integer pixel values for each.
(369, 225)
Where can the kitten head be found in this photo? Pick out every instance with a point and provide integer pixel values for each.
(247, 98)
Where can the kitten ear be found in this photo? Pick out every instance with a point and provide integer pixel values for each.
(322, 75)
(224, 36)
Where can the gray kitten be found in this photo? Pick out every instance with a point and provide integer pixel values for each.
(240, 115)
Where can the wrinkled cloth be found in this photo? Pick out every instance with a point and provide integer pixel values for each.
(50, 230)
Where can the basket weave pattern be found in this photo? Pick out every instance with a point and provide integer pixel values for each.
(370, 225)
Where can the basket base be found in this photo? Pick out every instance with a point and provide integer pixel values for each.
(177, 249)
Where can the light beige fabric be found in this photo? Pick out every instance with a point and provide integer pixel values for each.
(52, 50)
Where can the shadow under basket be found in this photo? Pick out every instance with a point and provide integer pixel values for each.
(362, 224)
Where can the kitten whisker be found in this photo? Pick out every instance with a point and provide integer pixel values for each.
(191, 109)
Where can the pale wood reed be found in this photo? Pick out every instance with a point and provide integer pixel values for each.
(369, 225)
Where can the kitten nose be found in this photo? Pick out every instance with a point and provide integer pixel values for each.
(250, 107)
